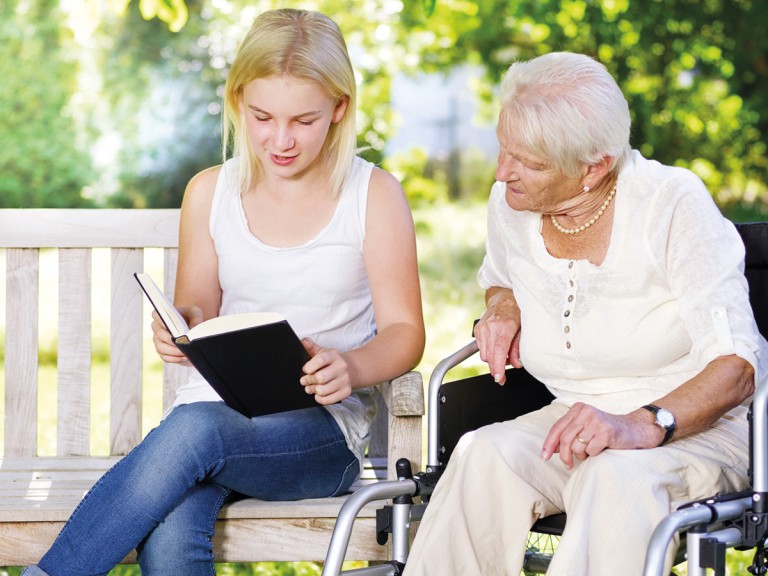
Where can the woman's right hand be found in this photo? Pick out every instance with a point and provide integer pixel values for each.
(161, 337)
(498, 332)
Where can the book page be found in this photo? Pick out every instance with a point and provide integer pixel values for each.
(174, 321)
(232, 322)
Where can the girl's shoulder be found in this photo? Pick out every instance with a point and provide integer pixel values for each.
(204, 182)
(383, 180)
(201, 190)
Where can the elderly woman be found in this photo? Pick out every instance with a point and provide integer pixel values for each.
(618, 283)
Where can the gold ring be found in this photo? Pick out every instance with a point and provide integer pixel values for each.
(580, 439)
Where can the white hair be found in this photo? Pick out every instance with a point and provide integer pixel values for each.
(567, 108)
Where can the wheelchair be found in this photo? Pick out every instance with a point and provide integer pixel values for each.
(454, 408)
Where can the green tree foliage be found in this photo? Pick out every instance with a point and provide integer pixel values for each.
(695, 72)
(43, 162)
(160, 89)
(172, 12)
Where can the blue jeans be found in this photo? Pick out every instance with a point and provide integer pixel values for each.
(163, 497)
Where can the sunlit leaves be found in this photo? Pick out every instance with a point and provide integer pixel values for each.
(694, 71)
(172, 12)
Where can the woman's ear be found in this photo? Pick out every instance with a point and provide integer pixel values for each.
(341, 108)
(597, 171)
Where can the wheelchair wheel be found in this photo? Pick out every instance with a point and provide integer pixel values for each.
(538, 553)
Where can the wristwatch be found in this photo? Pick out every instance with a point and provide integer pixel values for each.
(665, 419)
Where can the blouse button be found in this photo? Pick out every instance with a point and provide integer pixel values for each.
(567, 329)
(570, 298)
(570, 264)
(567, 313)
(568, 345)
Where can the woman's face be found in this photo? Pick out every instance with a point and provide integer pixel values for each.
(533, 183)
(287, 120)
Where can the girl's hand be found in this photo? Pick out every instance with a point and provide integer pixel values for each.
(327, 374)
(161, 337)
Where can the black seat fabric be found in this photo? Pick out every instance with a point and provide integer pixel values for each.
(755, 237)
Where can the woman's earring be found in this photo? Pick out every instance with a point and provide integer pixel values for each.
(585, 189)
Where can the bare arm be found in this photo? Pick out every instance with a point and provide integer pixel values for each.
(198, 293)
(723, 384)
(391, 264)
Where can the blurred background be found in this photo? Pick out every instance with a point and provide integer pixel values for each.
(110, 103)
(116, 103)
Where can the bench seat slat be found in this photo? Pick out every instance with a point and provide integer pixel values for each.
(236, 540)
(48, 489)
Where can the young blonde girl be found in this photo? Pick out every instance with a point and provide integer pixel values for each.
(293, 222)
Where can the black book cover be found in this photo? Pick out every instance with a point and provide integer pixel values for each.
(254, 368)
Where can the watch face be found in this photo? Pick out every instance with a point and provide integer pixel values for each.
(665, 418)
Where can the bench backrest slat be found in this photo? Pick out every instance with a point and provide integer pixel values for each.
(21, 351)
(173, 376)
(74, 352)
(126, 355)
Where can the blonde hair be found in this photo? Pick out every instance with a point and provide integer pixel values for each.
(568, 108)
(306, 45)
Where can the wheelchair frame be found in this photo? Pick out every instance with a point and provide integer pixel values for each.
(739, 519)
(397, 518)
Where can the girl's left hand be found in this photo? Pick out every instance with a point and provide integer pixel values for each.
(327, 374)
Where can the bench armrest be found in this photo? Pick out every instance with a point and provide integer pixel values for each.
(404, 396)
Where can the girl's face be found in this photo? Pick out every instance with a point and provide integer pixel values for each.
(287, 120)
(532, 182)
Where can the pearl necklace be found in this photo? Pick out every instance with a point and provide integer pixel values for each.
(590, 222)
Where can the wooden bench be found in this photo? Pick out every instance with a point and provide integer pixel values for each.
(39, 491)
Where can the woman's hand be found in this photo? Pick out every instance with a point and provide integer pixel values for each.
(162, 338)
(327, 374)
(498, 333)
(586, 431)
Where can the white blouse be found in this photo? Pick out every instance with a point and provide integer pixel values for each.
(669, 297)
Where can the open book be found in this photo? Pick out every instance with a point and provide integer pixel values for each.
(253, 360)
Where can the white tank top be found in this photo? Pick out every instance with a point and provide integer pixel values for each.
(321, 287)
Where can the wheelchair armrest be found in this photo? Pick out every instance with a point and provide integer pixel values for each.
(433, 400)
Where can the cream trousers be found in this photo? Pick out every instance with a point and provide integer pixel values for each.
(496, 485)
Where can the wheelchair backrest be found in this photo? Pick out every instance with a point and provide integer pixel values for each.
(470, 403)
(755, 237)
